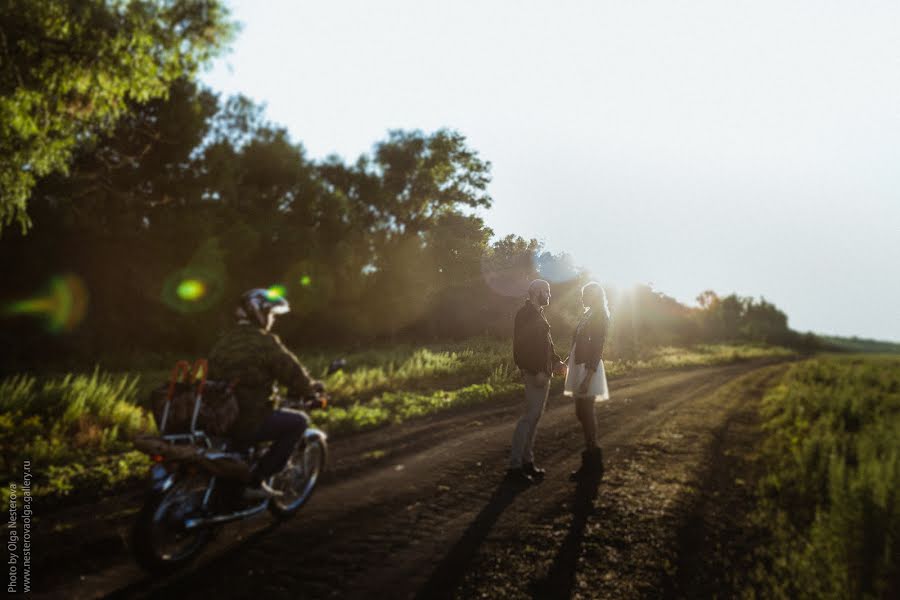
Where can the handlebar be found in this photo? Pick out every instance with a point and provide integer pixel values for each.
(314, 400)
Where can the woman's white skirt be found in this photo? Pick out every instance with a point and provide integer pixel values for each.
(575, 376)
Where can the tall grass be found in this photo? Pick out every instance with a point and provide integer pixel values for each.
(75, 430)
(396, 407)
(422, 369)
(485, 360)
(832, 492)
(673, 357)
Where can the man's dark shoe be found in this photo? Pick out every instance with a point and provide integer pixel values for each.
(518, 477)
(533, 471)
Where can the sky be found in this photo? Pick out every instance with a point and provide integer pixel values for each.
(747, 147)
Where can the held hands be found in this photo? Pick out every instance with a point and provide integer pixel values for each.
(560, 369)
(542, 379)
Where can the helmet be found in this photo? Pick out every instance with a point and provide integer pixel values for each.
(260, 306)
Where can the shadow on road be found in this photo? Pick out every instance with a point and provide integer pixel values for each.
(560, 579)
(183, 582)
(453, 567)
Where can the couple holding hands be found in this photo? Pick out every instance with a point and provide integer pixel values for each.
(536, 357)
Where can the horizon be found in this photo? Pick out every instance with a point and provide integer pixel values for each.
(732, 148)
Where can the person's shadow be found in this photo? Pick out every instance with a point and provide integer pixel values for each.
(560, 579)
(450, 571)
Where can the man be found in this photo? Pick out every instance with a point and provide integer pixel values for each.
(254, 357)
(535, 356)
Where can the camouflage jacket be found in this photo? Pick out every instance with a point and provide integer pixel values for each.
(256, 359)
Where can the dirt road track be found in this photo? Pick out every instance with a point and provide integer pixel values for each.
(418, 510)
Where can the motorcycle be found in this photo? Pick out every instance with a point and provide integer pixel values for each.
(196, 478)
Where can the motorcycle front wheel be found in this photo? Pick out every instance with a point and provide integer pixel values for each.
(296, 482)
(160, 542)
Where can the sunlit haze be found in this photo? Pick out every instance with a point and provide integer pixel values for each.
(748, 147)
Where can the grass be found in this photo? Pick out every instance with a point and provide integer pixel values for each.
(831, 495)
(671, 357)
(75, 428)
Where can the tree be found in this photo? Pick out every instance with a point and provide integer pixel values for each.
(426, 176)
(763, 322)
(71, 68)
(412, 183)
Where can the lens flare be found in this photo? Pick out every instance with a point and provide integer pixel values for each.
(276, 291)
(191, 290)
(62, 308)
(309, 289)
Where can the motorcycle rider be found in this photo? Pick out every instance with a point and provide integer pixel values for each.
(253, 357)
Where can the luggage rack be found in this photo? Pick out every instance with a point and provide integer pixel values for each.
(191, 374)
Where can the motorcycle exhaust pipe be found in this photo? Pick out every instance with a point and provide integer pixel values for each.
(203, 522)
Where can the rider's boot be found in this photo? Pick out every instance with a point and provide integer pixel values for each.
(257, 490)
(254, 491)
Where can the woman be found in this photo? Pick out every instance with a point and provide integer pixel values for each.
(586, 378)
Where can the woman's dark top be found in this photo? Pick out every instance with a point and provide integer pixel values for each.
(589, 339)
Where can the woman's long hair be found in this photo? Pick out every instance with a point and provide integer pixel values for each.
(595, 290)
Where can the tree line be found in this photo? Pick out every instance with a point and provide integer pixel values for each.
(169, 203)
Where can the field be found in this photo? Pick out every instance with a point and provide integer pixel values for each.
(76, 427)
(830, 493)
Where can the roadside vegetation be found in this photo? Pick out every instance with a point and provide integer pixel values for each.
(76, 428)
(831, 493)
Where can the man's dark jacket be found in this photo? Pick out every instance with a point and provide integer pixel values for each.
(589, 340)
(532, 345)
(256, 359)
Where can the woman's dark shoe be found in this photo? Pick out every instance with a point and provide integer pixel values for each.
(533, 471)
(591, 465)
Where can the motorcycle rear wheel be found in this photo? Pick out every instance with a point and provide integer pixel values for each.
(159, 542)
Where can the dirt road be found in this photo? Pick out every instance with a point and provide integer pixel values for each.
(419, 510)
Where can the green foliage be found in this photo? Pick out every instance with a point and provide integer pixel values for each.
(666, 357)
(832, 492)
(68, 70)
(100, 474)
(418, 368)
(75, 430)
(396, 407)
(736, 317)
